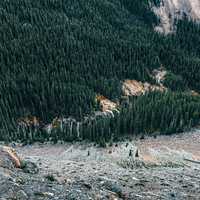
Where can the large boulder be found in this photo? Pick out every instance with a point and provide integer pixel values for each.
(9, 158)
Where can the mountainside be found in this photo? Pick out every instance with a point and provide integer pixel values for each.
(58, 56)
(169, 11)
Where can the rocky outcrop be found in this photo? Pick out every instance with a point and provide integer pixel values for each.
(170, 10)
(133, 88)
(159, 75)
(8, 158)
(194, 93)
(106, 104)
(137, 88)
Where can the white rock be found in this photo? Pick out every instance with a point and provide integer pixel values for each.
(170, 10)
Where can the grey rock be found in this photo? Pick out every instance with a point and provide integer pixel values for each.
(76, 194)
(30, 167)
(87, 185)
(113, 187)
(21, 195)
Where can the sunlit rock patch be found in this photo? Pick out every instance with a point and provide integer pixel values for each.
(137, 88)
(159, 75)
(133, 88)
(171, 10)
(194, 93)
(106, 104)
(9, 158)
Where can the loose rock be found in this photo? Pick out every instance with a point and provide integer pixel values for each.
(21, 195)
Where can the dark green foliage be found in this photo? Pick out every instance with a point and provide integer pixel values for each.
(102, 142)
(56, 55)
(141, 10)
(162, 113)
(50, 177)
(174, 82)
(180, 53)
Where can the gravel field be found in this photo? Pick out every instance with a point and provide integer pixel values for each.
(167, 168)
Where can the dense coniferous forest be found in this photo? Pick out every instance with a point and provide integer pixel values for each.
(57, 55)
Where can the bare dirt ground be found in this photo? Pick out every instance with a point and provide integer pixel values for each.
(163, 170)
(173, 148)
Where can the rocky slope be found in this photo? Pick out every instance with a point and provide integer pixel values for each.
(163, 170)
(170, 10)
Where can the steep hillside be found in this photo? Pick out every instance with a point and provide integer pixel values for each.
(57, 56)
(169, 11)
(167, 168)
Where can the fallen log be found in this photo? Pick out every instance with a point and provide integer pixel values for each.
(193, 161)
(9, 157)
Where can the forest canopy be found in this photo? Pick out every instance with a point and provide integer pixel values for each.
(57, 55)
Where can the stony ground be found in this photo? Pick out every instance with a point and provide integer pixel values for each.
(164, 170)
